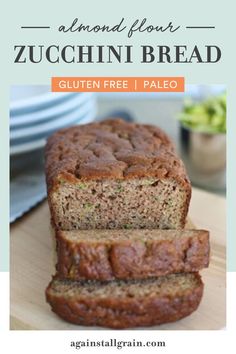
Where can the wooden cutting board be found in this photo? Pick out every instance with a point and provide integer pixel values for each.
(32, 264)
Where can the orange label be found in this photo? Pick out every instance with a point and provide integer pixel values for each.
(117, 84)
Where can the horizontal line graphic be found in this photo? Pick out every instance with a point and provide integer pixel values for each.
(35, 27)
(200, 27)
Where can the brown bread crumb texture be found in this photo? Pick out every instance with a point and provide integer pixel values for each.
(123, 304)
(130, 254)
(115, 174)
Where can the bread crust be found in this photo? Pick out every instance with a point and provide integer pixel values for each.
(120, 313)
(111, 149)
(131, 258)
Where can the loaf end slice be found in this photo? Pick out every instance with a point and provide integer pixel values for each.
(130, 254)
(113, 174)
(124, 304)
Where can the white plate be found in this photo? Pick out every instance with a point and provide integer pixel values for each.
(21, 92)
(39, 143)
(53, 112)
(29, 132)
(35, 102)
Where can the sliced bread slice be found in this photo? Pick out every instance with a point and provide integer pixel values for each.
(123, 304)
(130, 254)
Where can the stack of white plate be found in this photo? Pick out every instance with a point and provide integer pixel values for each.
(35, 113)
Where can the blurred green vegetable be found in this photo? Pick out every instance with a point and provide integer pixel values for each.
(208, 116)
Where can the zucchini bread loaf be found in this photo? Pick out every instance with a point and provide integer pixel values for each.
(114, 174)
(130, 254)
(123, 304)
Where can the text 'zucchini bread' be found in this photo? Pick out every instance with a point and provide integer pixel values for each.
(114, 174)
